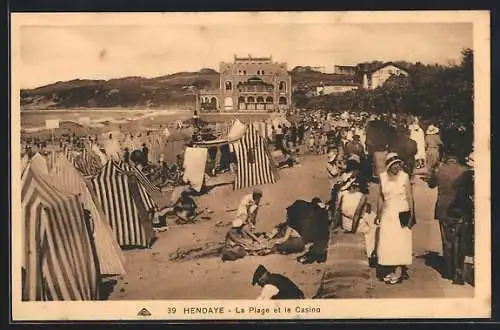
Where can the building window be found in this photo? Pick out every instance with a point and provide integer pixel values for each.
(282, 101)
(213, 101)
(258, 72)
(282, 86)
(241, 99)
(229, 86)
(260, 99)
(269, 99)
(244, 72)
(250, 99)
(263, 73)
(228, 103)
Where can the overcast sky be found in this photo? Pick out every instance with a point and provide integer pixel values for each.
(54, 53)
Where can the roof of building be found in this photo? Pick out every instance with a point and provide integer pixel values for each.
(386, 64)
(250, 58)
(346, 67)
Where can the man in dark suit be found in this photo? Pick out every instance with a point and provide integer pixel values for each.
(275, 286)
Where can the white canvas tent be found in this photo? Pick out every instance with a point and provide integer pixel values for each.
(255, 164)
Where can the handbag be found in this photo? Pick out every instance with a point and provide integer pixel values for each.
(404, 218)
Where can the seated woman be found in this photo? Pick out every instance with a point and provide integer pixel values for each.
(185, 208)
(351, 202)
(285, 239)
(240, 243)
(352, 170)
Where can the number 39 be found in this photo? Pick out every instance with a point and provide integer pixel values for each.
(171, 310)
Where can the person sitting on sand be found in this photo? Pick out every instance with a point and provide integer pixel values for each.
(185, 208)
(240, 242)
(285, 239)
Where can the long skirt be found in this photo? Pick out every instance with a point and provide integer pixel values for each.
(432, 157)
(395, 242)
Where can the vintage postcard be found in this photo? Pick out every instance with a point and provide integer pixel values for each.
(250, 165)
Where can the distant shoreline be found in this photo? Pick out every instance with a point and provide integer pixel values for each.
(102, 110)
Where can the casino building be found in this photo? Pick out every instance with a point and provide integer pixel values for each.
(249, 84)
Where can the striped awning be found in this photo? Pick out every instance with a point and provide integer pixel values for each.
(59, 258)
(68, 179)
(123, 202)
(255, 164)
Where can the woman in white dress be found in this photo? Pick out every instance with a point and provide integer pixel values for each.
(394, 205)
(417, 134)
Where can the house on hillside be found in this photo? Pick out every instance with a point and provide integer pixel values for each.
(377, 76)
(336, 87)
(250, 84)
(348, 70)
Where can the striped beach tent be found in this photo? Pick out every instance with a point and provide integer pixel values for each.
(119, 194)
(68, 179)
(146, 187)
(24, 162)
(255, 164)
(86, 162)
(39, 164)
(150, 187)
(263, 128)
(59, 260)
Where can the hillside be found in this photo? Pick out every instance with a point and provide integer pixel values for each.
(140, 92)
(123, 92)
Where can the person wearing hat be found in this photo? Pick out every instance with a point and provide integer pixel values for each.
(467, 202)
(449, 178)
(395, 215)
(275, 286)
(331, 166)
(355, 147)
(351, 174)
(433, 143)
(417, 134)
(247, 210)
(351, 201)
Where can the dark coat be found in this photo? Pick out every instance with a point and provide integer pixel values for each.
(405, 147)
(378, 134)
(309, 220)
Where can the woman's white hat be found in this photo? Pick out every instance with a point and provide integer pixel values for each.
(391, 159)
(432, 130)
(348, 183)
(332, 156)
(355, 158)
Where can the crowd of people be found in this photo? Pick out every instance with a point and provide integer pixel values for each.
(363, 151)
(387, 153)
